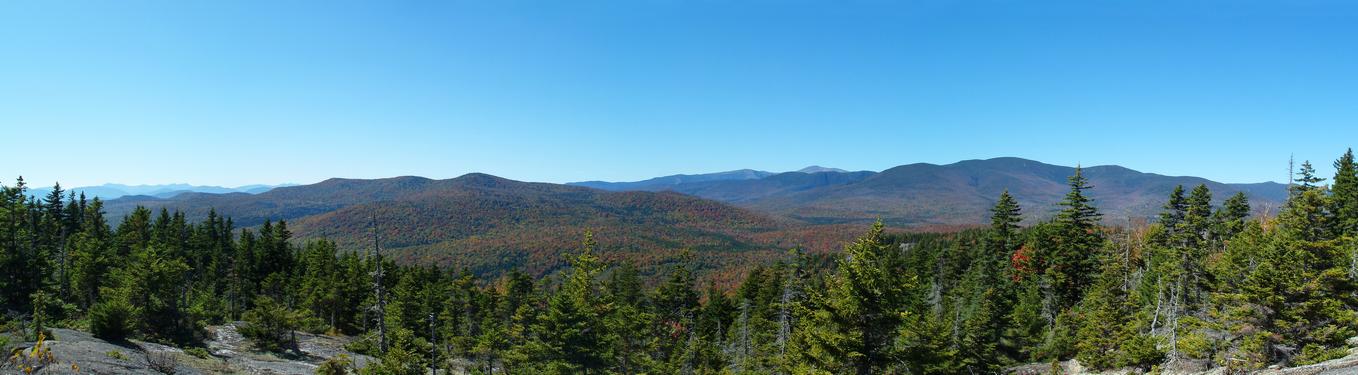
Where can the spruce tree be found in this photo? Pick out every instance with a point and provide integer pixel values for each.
(574, 335)
(1344, 195)
(1072, 261)
(1104, 329)
(1230, 218)
(863, 303)
(1172, 216)
(1004, 228)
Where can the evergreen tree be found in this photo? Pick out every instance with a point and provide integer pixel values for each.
(1104, 329)
(1004, 229)
(862, 304)
(1344, 195)
(1172, 217)
(989, 295)
(575, 338)
(1072, 260)
(272, 326)
(1308, 179)
(1231, 218)
(633, 322)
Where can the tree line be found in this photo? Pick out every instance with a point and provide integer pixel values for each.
(1203, 284)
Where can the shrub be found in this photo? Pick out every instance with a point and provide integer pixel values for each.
(398, 361)
(1312, 354)
(198, 352)
(1195, 345)
(270, 325)
(335, 366)
(1141, 352)
(162, 362)
(40, 306)
(112, 319)
(366, 345)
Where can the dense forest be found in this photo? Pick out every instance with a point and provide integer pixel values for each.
(1201, 283)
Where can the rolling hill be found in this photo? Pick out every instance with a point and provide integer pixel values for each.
(489, 224)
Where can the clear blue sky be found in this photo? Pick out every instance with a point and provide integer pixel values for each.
(240, 92)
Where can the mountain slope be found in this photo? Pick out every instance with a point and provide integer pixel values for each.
(962, 193)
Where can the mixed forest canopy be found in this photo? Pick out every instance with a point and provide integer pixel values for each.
(1203, 284)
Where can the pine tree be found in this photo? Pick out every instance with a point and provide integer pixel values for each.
(675, 304)
(633, 322)
(1198, 216)
(990, 293)
(1172, 217)
(1103, 328)
(862, 304)
(575, 337)
(1004, 220)
(1344, 195)
(1307, 213)
(1072, 261)
(1230, 219)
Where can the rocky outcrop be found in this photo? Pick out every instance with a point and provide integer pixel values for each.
(1342, 366)
(73, 352)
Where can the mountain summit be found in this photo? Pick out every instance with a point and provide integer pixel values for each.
(819, 169)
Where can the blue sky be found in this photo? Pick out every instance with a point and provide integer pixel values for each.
(241, 92)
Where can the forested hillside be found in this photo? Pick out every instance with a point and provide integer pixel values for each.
(1204, 285)
(490, 225)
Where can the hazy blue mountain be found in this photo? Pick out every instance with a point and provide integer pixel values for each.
(661, 183)
(114, 191)
(782, 184)
(818, 169)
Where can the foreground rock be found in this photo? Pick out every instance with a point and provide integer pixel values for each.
(1341, 366)
(227, 353)
(229, 346)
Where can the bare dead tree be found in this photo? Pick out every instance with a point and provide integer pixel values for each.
(378, 291)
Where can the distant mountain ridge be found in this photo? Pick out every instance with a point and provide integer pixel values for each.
(954, 194)
(114, 191)
(667, 182)
(659, 183)
(818, 169)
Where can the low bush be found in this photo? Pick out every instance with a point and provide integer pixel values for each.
(112, 320)
(271, 326)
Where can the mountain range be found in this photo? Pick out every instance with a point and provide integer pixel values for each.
(954, 194)
(114, 191)
(489, 224)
